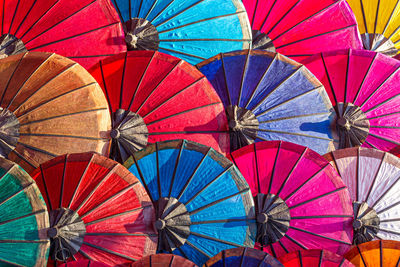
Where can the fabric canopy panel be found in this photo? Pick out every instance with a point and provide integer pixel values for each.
(84, 263)
(50, 106)
(379, 24)
(160, 260)
(301, 201)
(69, 28)
(314, 258)
(268, 96)
(373, 179)
(237, 257)
(297, 28)
(156, 97)
(189, 29)
(98, 210)
(364, 88)
(23, 219)
(382, 253)
(203, 203)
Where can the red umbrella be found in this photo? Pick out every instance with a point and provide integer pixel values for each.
(82, 263)
(160, 260)
(156, 97)
(314, 258)
(98, 210)
(84, 30)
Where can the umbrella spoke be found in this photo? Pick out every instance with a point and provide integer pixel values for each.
(79, 182)
(274, 167)
(221, 221)
(23, 216)
(120, 234)
(215, 239)
(178, 13)
(257, 173)
(318, 235)
(283, 17)
(318, 197)
(226, 80)
(11, 77)
(365, 77)
(320, 217)
(284, 248)
(104, 83)
(245, 70)
(329, 80)
(142, 179)
(27, 187)
(11, 263)
(109, 251)
(295, 242)
(297, 134)
(181, 53)
(198, 249)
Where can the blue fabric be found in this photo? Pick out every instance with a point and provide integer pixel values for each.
(286, 99)
(192, 19)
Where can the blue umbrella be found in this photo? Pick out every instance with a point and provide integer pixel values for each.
(193, 30)
(268, 96)
(203, 204)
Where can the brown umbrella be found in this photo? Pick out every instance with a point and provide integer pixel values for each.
(49, 105)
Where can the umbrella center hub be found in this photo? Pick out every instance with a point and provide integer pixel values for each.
(273, 218)
(379, 43)
(243, 126)
(262, 41)
(115, 133)
(9, 132)
(10, 45)
(140, 34)
(173, 224)
(66, 233)
(366, 223)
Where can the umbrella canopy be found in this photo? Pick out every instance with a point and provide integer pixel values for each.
(379, 24)
(98, 210)
(314, 258)
(160, 260)
(268, 96)
(364, 89)
(383, 253)
(301, 202)
(203, 204)
(297, 28)
(155, 97)
(189, 29)
(84, 263)
(49, 106)
(373, 179)
(236, 257)
(69, 28)
(24, 219)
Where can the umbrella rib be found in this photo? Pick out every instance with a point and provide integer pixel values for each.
(121, 92)
(104, 84)
(295, 241)
(266, 17)
(109, 251)
(161, 11)
(388, 231)
(273, 253)
(320, 217)
(63, 136)
(382, 103)
(119, 234)
(376, 15)
(9, 262)
(284, 15)
(329, 79)
(318, 197)
(321, 255)
(63, 180)
(342, 262)
(371, 145)
(181, 53)
(177, 14)
(16, 193)
(8, 171)
(11, 77)
(274, 167)
(2, 18)
(347, 75)
(80, 180)
(358, 248)
(13, 17)
(365, 77)
(256, 162)
(220, 221)
(6, 241)
(390, 18)
(199, 250)
(226, 80)
(45, 188)
(388, 207)
(118, 10)
(23, 216)
(85, 255)
(151, 9)
(24, 159)
(244, 74)
(384, 194)
(204, 39)
(357, 174)
(143, 180)
(183, 142)
(284, 248)
(375, 177)
(314, 234)
(215, 239)
(140, 8)
(158, 172)
(117, 215)
(364, 18)
(383, 127)
(298, 134)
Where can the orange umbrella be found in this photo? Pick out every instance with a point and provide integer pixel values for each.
(383, 253)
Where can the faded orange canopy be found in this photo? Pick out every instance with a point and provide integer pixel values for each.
(383, 253)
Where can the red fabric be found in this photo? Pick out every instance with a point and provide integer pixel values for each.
(312, 258)
(84, 263)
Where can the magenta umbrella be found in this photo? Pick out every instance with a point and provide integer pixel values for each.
(364, 88)
(301, 201)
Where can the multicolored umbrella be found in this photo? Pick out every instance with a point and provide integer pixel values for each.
(69, 28)
(84, 263)
(24, 219)
(236, 257)
(189, 29)
(383, 253)
(156, 97)
(160, 260)
(364, 89)
(379, 24)
(98, 210)
(49, 106)
(268, 96)
(297, 28)
(301, 201)
(373, 179)
(203, 204)
(314, 258)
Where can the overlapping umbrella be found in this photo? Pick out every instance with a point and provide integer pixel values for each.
(363, 87)
(98, 210)
(155, 97)
(203, 204)
(84, 263)
(50, 105)
(268, 96)
(24, 219)
(160, 260)
(69, 28)
(189, 29)
(373, 179)
(379, 24)
(382, 253)
(314, 258)
(236, 257)
(301, 202)
(297, 28)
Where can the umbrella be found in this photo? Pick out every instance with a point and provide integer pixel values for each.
(236, 257)
(373, 179)
(49, 105)
(155, 97)
(268, 96)
(301, 202)
(160, 260)
(314, 258)
(378, 22)
(189, 29)
(203, 204)
(297, 28)
(98, 210)
(24, 219)
(363, 87)
(383, 253)
(81, 263)
(69, 28)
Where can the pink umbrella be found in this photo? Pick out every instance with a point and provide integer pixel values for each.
(301, 201)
